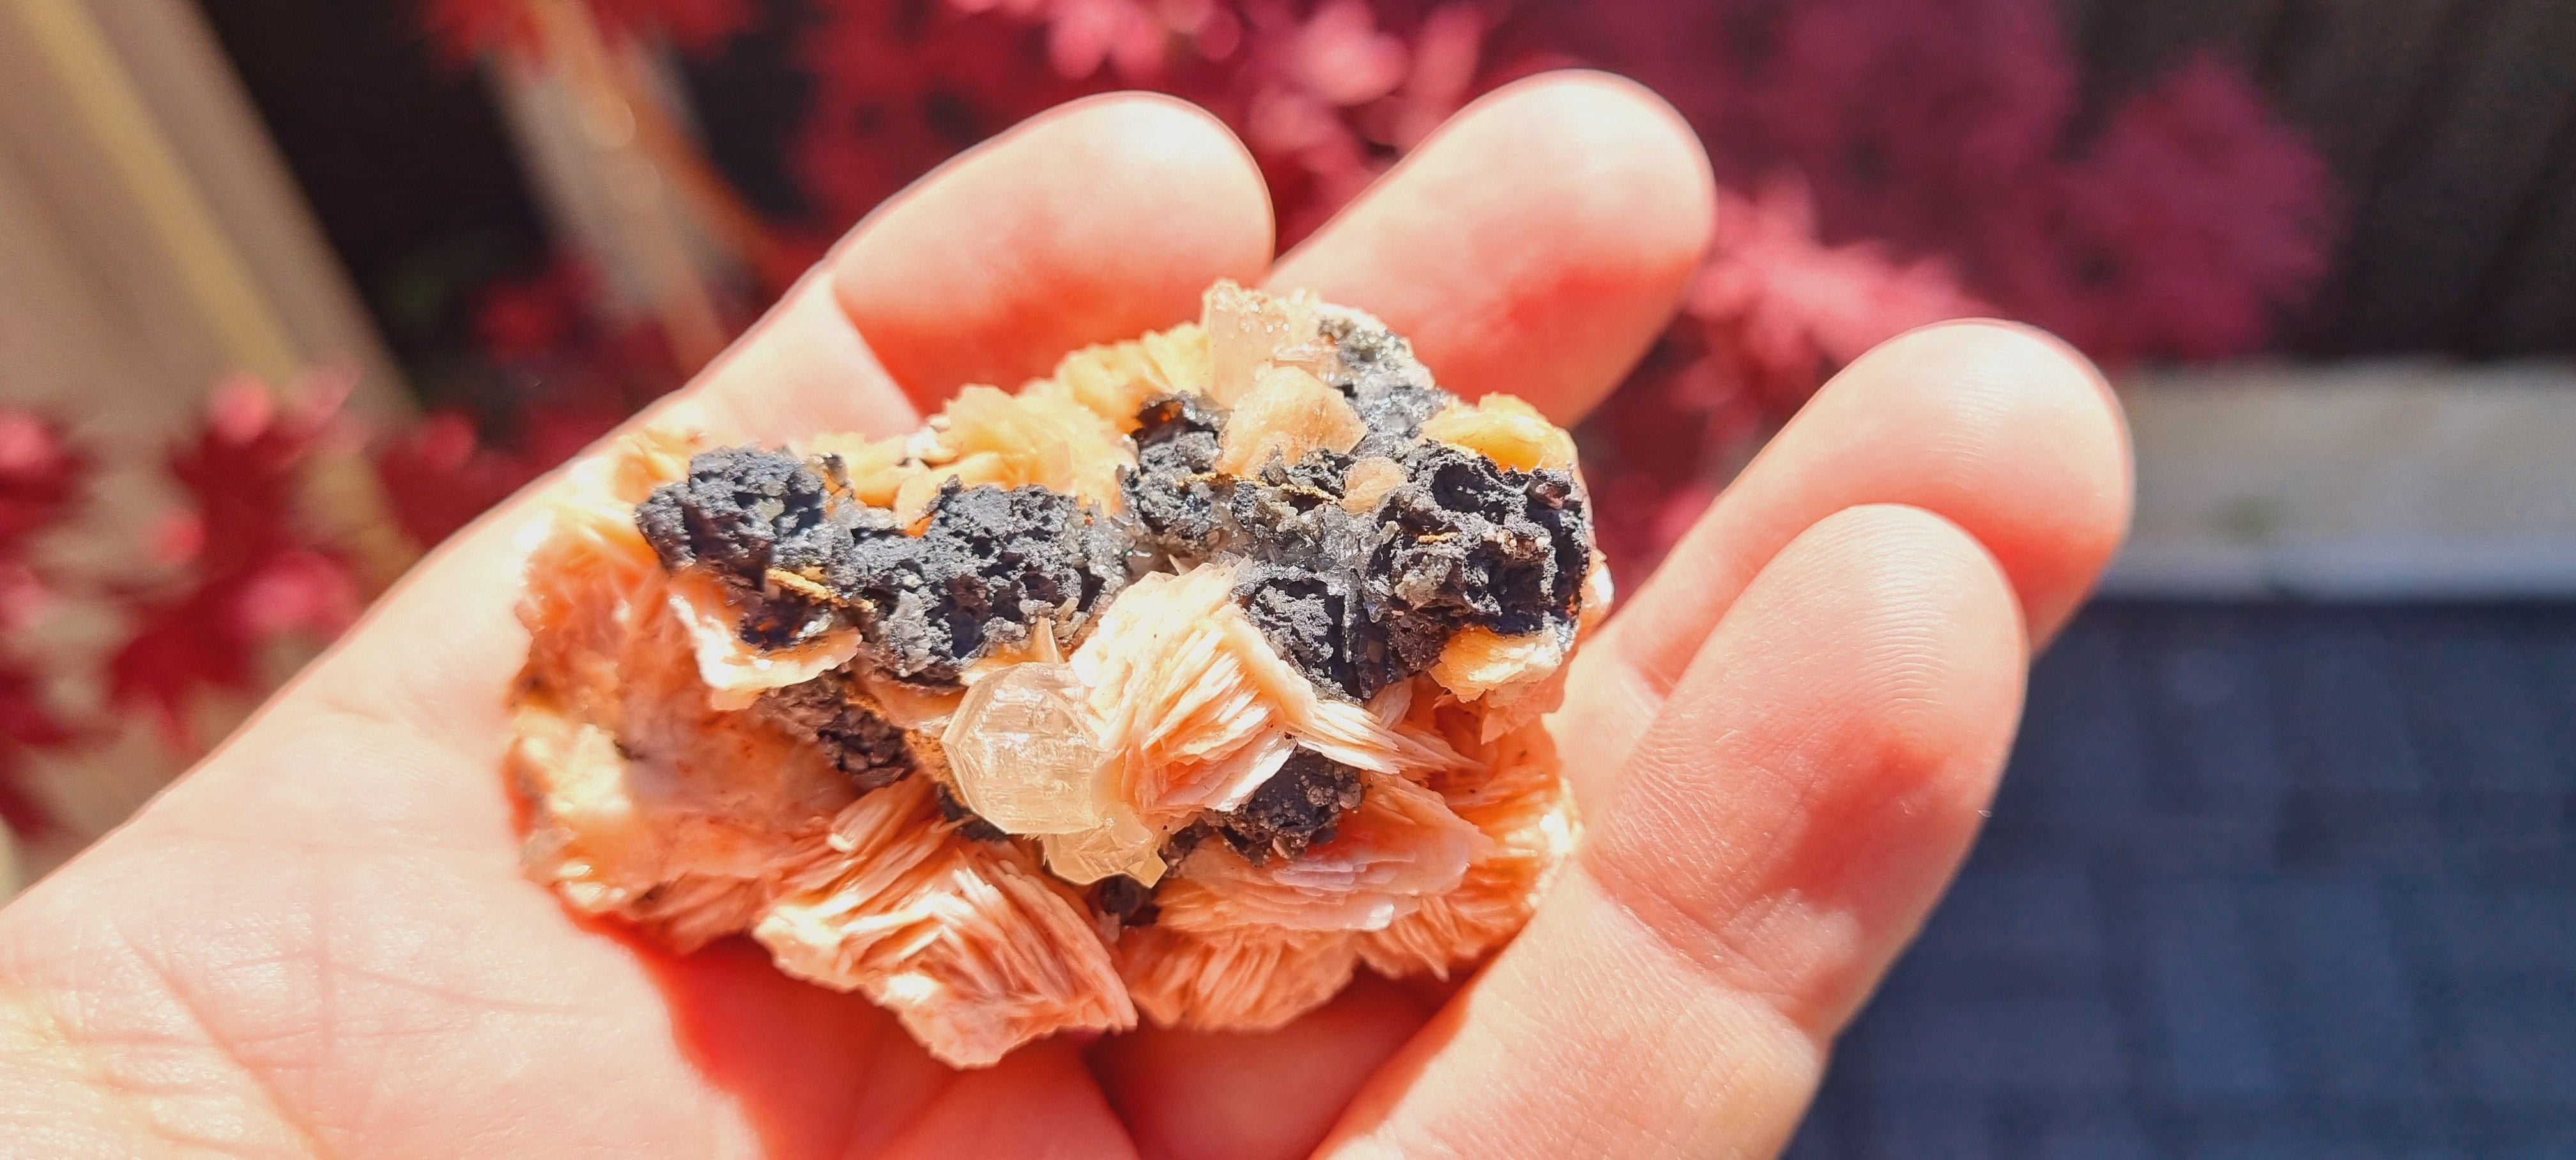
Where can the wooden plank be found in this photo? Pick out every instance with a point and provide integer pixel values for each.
(180, 71)
(76, 344)
(138, 135)
(2134, 43)
(2428, 235)
(2346, 72)
(2400, 480)
(148, 247)
(124, 154)
(2529, 304)
(401, 152)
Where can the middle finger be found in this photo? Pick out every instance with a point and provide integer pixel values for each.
(1534, 245)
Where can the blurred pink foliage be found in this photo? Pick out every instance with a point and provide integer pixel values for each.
(582, 376)
(42, 480)
(1884, 164)
(1326, 95)
(252, 567)
(1888, 163)
(2212, 218)
(1770, 314)
(1913, 160)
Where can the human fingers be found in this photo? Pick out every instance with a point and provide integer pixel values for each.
(385, 758)
(1150, 197)
(1778, 836)
(1093, 221)
(1037, 1104)
(416, 696)
(1535, 244)
(1997, 428)
(1188, 1095)
(890, 292)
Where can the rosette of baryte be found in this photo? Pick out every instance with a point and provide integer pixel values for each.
(1185, 681)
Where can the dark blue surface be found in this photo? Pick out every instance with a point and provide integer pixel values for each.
(2262, 882)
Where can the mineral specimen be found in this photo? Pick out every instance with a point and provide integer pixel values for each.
(1186, 680)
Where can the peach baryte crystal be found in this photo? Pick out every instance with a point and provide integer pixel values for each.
(1187, 681)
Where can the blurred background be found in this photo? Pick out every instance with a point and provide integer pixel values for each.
(2286, 862)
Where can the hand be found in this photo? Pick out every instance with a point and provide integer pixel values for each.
(319, 941)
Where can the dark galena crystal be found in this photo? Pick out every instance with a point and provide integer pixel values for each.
(1467, 542)
(1317, 620)
(970, 825)
(1389, 388)
(1173, 494)
(740, 514)
(1125, 899)
(859, 742)
(1296, 808)
(991, 563)
(1358, 602)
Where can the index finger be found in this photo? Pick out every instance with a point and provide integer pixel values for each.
(1534, 245)
(435, 655)
(990, 269)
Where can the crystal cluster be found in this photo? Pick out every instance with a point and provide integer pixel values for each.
(1182, 682)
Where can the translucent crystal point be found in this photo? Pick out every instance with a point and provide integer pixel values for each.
(1287, 413)
(1123, 845)
(1025, 754)
(1247, 329)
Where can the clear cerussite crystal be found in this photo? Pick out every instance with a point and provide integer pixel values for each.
(1176, 685)
(1021, 752)
(1249, 331)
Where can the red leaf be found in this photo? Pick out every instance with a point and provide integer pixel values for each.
(40, 478)
(259, 571)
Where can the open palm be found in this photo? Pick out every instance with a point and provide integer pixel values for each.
(319, 942)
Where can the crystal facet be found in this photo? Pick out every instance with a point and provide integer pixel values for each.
(1248, 330)
(1022, 750)
(1121, 845)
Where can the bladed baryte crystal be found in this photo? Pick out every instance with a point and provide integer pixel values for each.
(1184, 681)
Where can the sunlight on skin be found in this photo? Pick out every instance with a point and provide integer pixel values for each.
(1998, 428)
(319, 941)
(1548, 284)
